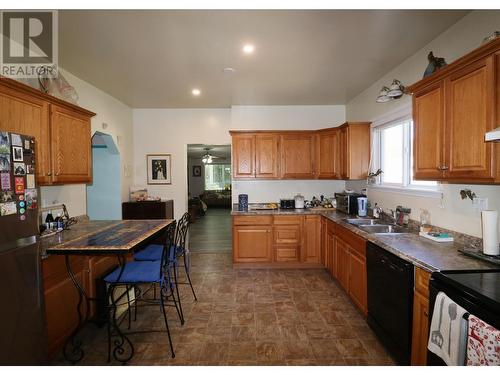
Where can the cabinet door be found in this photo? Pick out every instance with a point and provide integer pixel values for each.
(420, 331)
(324, 240)
(243, 156)
(252, 243)
(332, 254)
(470, 100)
(343, 153)
(297, 155)
(71, 146)
(312, 241)
(266, 156)
(357, 280)
(428, 125)
(327, 154)
(342, 258)
(21, 113)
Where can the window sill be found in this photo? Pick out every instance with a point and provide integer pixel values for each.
(429, 193)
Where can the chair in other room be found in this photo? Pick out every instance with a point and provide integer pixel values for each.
(134, 274)
(153, 252)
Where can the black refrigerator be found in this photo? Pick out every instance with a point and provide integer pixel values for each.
(23, 338)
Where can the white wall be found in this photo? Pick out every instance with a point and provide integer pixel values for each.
(171, 130)
(118, 118)
(458, 40)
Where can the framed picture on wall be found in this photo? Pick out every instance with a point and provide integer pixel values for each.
(196, 170)
(159, 169)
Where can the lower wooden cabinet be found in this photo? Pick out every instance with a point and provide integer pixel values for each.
(61, 298)
(420, 330)
(252, 243)
(342, 259)
(357, 280)
(312, 239)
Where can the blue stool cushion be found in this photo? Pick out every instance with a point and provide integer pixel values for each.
(136, 272)
(150, 253)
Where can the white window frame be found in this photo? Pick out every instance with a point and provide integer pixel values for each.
(396, 117)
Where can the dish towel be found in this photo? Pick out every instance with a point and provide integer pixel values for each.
(483, 343)
(448, 335)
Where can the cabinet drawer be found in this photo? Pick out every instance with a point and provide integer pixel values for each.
(287, 253)
(357, 243)
(252, 220)
(290, 219)
(287, 234)
(422, 281)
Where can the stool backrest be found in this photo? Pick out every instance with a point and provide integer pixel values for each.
(181, 232)
(169, 241)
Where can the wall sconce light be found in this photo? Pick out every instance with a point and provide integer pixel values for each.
(395, 91)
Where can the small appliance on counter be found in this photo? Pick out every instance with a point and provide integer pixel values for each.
(287, 204)
(348, 202)
(362, 206)
(299, 201)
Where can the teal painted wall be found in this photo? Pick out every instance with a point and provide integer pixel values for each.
(104, 195)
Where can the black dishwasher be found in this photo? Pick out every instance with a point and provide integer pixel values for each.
(390, 301)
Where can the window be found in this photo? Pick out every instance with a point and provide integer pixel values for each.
(217, 176)
(392, 146)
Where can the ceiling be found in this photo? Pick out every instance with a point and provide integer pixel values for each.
(222, 152)
(153, 59)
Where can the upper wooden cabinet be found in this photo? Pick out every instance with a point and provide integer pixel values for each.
(255, 155)
(333, 153)
(62, 132)
(71, 146)
(328, 154)
(354, 147)
(452, 111)
(297, 155)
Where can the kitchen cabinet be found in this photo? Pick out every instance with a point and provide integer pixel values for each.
(252, 239)
(287, 232)
(330, 250)
(62, 132)
(61, 298)
(255, 155)
(328, 154)
(297, 155)
(342, 260)
(354, 148)
(243, 155)
(71, 146)
(266, 156)
(312, 240)
(420, 329)
(357, 280)
(25, 114)
(452, 111)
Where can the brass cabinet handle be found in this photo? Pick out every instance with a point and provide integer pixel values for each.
(444, 168)
(49, 174)
(57, 174)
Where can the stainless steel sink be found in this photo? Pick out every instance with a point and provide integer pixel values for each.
(383, 229)
(362, 221)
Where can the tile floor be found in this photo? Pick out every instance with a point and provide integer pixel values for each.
(251, 317)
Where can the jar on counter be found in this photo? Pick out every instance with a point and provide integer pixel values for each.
(299, 201)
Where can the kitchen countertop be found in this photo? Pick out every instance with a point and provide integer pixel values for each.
(294, 211)
(422, 252)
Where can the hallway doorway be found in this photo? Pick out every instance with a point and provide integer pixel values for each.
(209, 190)
(104, 194)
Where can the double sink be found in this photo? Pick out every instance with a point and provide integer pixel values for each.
(377, 226)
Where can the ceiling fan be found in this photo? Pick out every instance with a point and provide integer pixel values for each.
(207, 158)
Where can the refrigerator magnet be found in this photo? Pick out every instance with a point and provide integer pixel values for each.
(17, 153)
(4, 143)
(6, 196)
(30, 181)
(9, 208)
(30, 168)
(5, 163)
(16, 140)
(27, 144)
(19, 169)
(5, 181)
(31, 199)
(22, 204)
(19, 184)
(22, 210)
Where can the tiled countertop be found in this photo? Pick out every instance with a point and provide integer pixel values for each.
(423, 253)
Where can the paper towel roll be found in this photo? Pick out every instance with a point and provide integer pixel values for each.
(490, 232)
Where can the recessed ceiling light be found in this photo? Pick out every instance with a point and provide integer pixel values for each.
(196, 92)
(228, 70)
(248, 48)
